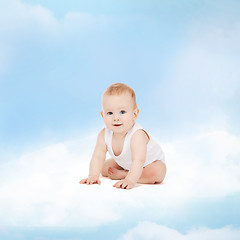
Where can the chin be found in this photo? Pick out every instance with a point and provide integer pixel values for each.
(118, 130)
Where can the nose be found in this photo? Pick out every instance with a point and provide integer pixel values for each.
(116, 117)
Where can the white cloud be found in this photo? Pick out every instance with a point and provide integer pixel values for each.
(210, 72)
(16, 16)
(151, 231)
(203, 74)
(20, 21)
(206, 165)
(17, 21)
(41, 187)
(82, 21)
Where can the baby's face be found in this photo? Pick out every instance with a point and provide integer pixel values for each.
(118, 112)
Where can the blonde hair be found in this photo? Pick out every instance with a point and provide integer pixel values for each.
(120, 88)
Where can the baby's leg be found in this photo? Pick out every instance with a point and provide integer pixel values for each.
(110, 166)
(152, 173)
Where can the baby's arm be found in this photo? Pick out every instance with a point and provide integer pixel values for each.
(139, 150)
(97, 160)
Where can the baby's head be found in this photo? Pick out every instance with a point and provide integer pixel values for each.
(117, 89)
(119, 107)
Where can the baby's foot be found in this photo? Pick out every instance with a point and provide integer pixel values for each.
(116, 174)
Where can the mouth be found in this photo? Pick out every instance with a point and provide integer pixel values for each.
(117, 125)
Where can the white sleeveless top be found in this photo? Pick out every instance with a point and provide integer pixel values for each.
(154, 151)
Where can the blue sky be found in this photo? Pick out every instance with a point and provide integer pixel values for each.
(182, 60)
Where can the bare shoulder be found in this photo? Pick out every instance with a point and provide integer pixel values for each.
(101, 135)
(140, 136)
(102, 132)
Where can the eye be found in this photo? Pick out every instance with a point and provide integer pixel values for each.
(123, 112)
(109, 113)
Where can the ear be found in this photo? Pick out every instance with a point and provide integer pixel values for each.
(136, 112)
(101, 113)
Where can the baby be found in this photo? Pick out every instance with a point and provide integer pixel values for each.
(135, 156)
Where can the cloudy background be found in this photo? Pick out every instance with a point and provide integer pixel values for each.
(181, 58)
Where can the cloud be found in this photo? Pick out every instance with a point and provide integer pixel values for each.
(23, 25)
(40, 188)
(16, 15)
(18, 21)
(205, 165)
(203, 74)
(17, 18)
(207, 61)
(201, 167)
(150, 231)
(82, 21)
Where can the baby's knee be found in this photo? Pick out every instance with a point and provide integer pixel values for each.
(155, 174)
(149, 175)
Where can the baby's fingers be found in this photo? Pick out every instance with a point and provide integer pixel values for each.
(98, 181)
(118, 184)
(89, 181)
(129, 187)
(83, 181)
(115, 184)
(93, 181)
(124, 185)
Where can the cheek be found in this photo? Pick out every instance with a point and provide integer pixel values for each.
(127, 118)
(107, 120)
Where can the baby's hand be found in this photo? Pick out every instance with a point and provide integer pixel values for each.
(124, 183)
(90, 180)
